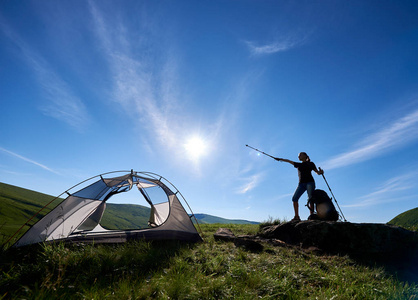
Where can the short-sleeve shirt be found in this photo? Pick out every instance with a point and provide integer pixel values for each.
(304, 171)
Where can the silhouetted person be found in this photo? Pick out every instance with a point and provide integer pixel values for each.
(306, 180)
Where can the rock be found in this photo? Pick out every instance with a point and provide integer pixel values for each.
(379, 241)
(249, 244)
(224, 234)
(394, 248)
(246, 242)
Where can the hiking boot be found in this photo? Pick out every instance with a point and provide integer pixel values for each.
(295, 219)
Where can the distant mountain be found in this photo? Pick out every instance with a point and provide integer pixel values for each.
(408, 219)
(208, 219)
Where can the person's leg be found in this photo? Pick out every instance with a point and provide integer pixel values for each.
(298, 193)
(296, 208)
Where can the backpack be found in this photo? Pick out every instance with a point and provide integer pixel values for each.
(325, 209)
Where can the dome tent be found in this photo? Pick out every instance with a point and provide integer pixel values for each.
(77, 218)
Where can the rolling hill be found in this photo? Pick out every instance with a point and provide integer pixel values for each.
(17, 205)
(125, 216)
(408, 219)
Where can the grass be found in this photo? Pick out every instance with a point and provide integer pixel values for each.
(172, 270)
(407, 219)
(16, 208)
(208, 270)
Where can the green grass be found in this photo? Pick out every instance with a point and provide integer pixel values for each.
(125, 216)
(208, 270)
(17, 205)
(171, 270)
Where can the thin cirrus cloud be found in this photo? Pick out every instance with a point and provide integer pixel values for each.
(389, 191)
(28, 160)
(62, 103)
(145, 85)
(134, 79)
(278, 45)
(251, 183)
(395, 135)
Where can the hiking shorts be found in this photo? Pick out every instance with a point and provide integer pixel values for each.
(302, 187)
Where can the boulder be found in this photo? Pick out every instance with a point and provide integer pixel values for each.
(380, 241)
(224, 234)
(246, 242)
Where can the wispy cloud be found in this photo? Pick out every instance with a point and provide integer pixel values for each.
(251, 183)
(278, 45)
(145, 85)
(139, 85)
(62, 103)
(28, 160)
(285, 196)
(395, 135)
(389, 191)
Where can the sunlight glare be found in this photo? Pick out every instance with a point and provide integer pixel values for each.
(195, 147)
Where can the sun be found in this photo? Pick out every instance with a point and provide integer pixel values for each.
(195, 147)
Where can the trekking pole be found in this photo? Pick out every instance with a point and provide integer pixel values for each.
(261, 152)
(333, 195)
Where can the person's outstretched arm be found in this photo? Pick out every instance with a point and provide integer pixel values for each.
(285, 160)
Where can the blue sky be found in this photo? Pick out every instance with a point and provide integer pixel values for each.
(179, 88)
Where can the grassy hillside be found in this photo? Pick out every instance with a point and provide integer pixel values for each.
(17, 205)
(408, 219)
(208, 270)
(125, 216)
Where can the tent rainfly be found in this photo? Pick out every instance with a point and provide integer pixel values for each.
(77, 218)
